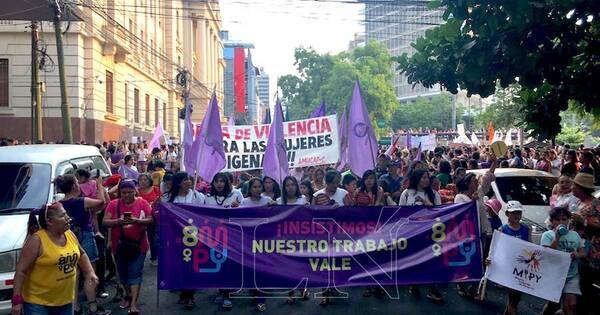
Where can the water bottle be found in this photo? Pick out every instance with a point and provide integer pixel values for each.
(562, 230)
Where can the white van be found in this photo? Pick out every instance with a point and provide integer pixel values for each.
(27, 173)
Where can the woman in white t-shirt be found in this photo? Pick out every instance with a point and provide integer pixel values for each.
(221, 193)
(419, 191)
(290, 194)
(142, 153)
(331, 195)
(255, 189)
(181, 191)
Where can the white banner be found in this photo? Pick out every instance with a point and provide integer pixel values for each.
(312, 141)
(527, 267)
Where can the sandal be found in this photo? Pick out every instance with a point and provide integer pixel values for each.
(125, 302)
(305, 294)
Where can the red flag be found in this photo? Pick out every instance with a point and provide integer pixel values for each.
(490, 132)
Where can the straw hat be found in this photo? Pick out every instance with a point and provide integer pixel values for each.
(584, 180)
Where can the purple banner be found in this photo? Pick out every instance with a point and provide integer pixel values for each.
(291, 246)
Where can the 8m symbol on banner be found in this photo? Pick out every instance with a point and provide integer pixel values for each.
(200, 247)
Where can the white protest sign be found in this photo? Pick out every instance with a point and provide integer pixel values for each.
(309, 142)
(527, 267)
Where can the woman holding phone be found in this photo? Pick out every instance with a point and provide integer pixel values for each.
(129, 216)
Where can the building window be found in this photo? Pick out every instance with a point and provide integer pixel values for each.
(165, 119)
(156, 111)
(147, 110)
(4, 83)
(136, 105)
(109, 93)
(126, 103)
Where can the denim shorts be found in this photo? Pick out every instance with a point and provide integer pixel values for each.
(130, 272)
(37, 309)
(87, 239)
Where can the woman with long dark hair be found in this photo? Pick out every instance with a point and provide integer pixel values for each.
(181, 192)
(307, 190)
(271, 188)
(290, 194)
(221, 194)
(254, 196)
(369, 192)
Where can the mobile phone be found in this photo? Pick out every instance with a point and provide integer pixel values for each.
(127, 215)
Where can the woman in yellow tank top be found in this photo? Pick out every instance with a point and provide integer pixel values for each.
(45, 278)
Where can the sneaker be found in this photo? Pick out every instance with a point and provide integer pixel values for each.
(435, 295)
(261, 307)
(102, 294)
(227, 305)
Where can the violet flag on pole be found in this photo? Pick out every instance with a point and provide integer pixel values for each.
(418, 155)
(158, 133)
(188, 139)
(319, 111)
(362, 144)
(207, 150)
(343, 134)
(275, 163)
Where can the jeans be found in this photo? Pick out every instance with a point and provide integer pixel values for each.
(130, 272)
(37, 309)
(87, 239)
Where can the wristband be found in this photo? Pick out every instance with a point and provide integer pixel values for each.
(17, 299)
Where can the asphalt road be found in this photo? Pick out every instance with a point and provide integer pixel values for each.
(354, 304)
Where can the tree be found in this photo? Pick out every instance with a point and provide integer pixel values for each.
(573, 136)
(506, 111)
(429, 113)
(331, 79)
(551, 48)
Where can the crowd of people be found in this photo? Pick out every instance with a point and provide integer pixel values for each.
(108, 225)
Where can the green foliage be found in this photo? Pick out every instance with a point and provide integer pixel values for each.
(506, 111)
(574, 136)
(551, 46)
(434, 112)
(331, 78)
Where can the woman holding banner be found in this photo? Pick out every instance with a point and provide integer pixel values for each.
(317, 179)
(306, 189)
(270, 188)
(419, 192)
(255, 197)
(221, 194)
(290, 195)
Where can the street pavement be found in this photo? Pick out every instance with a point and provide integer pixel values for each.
(354, 304)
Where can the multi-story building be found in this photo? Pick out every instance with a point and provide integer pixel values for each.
(397, 24)
(263, 88)
(121, 62)
(240, 82)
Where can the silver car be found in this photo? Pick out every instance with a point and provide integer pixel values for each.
(532, 188)
(27, 184)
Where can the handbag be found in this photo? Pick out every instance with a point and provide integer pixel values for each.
(128, 249)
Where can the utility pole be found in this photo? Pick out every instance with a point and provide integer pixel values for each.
(36, 91)
(64, 101)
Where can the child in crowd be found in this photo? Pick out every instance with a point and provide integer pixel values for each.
(563, 239)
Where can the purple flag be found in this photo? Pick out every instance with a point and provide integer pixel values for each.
(408, 139)
(343, 134)
(127, 171)
(275, 163)
(188, 139)
(362, 144)
(207, 150)
(158, 132)
(319, 111)
(418, 156)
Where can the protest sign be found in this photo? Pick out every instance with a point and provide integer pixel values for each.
(308, 142)
(283, 246)
(527, 267)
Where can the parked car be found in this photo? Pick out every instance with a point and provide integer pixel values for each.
(532, 188)
(28, 172)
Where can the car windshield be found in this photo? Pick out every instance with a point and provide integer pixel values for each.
(25, 185)
(530, 191)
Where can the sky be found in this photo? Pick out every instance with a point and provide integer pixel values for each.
(277, 27)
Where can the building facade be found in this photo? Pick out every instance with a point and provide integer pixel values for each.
(240, 82)
(264, 93)
(397, 24)
(121, 62)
